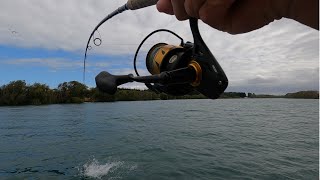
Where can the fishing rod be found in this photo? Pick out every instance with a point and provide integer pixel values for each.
(130, 5)
(175, 69)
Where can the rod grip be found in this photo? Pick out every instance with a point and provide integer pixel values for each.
(138, 4)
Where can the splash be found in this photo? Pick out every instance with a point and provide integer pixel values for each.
(94, 169)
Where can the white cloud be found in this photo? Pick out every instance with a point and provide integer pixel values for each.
(54, 63)
(272, 55)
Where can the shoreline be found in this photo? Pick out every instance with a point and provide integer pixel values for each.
(151, 100)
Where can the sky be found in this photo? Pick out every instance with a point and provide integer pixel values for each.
(44, 41)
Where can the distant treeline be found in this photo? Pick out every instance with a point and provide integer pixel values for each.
(296, 95)
(304, 95)
(19, 93)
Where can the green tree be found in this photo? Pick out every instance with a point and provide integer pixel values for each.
(14, 93)
(72, 92)
(77, 89)
(99, 96)
(40, 94)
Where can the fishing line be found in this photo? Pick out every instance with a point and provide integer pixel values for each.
(98, 41)
(147, 37)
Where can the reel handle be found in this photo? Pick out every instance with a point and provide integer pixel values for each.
(108, 83)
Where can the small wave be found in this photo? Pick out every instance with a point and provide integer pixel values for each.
(94, 169)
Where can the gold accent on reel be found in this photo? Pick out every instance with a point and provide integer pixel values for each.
(196, 66)
(157, 54)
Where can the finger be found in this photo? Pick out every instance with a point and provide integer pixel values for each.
(192, 7)
(178, 9)
(248, 16)
(216, 13)
(165, 6)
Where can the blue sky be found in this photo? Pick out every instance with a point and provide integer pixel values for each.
(54, 66)
(45, 43)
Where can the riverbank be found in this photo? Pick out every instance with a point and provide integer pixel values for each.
(19, 93)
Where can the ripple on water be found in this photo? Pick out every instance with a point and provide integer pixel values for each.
(110, 170)
(95, 169)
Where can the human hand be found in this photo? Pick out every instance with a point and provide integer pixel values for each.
(241, 16)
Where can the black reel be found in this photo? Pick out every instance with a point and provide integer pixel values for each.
(175, 70)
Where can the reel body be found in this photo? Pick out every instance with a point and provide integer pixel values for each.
(175, 69)
(163, 57)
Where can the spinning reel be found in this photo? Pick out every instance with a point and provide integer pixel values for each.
(175, 69)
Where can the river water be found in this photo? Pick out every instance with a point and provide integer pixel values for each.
(184, 139)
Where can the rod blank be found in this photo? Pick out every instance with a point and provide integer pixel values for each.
(138, 4)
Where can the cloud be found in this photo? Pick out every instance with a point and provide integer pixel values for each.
(262, 80)
(271, 56)
(54, 63)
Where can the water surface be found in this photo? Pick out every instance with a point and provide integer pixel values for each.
(185, 139)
